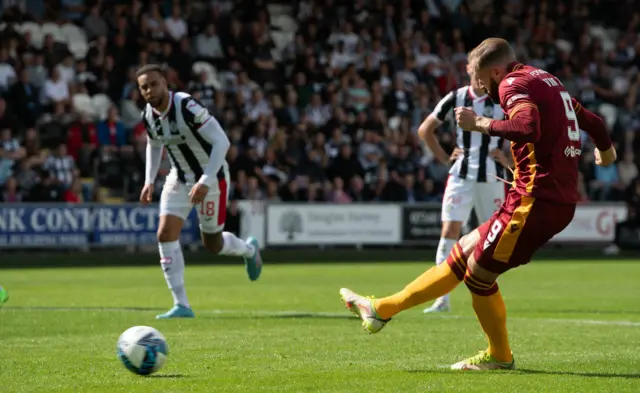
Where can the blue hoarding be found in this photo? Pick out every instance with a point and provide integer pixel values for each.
(62, 225)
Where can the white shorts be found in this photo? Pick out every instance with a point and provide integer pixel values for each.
(212, 212)
(461, 195)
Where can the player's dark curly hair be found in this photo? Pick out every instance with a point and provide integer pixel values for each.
(145, 69)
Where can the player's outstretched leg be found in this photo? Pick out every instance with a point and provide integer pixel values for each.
(433, 283)
(444, 249)
(172, 262)
(226, 243)
(492, 315)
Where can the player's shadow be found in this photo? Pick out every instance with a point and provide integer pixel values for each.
(579, 374)
(283, 315)
(541, 372)
(167, 376)
(81, 308)
(577, 311)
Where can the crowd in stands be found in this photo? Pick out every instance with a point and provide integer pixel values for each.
(320, 98)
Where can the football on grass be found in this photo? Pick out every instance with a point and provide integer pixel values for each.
(142, 349)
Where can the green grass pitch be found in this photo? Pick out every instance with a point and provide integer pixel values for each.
(575, 327)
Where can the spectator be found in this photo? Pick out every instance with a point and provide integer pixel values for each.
(56, 90)
(317, 113)
(36, 70)
(53, 126)
(271, 194)
(82, 143)
(74, 193)
(34, 155)
(175, 26)
(73, 9)
(24, 98)
(606, 183)
(345, 165)
(7, 71)
(131, 110)
(11, 192)
(339, 195)
(10, 153)
(205, 89)
(67, 70)
(61, 165)
(112, 134)
(256, 106)
(253, 189)
(53, 51)
(208, 46)
(628, 228)
(47, 189)
(628, 170)
(94, 24)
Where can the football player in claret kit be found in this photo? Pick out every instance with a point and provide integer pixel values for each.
(199, 177)
(475, 178)
(542, 126)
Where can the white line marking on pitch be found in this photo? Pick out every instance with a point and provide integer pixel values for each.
(319, 314)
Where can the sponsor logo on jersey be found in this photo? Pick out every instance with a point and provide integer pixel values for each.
(201, 117)
(571, 151)
(516, 98)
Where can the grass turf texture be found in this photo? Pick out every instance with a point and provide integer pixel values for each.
(575, 327)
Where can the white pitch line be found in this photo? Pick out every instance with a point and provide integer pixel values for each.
(319, 314)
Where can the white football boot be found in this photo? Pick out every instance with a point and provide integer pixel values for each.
(364, 309)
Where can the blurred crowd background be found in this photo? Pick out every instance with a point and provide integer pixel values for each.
(321, 99)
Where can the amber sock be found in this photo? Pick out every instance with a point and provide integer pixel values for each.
(435, 282)
(492, 314)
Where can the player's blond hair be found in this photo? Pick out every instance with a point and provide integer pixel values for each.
(490, 52)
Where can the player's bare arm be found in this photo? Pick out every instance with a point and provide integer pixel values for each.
(499, 156)
(427, 132)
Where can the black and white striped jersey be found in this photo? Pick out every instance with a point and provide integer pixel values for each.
(475, 164)
(179, 130)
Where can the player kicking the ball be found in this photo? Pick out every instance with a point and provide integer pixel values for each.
(478, 164)
(543, 129)
(199, 177)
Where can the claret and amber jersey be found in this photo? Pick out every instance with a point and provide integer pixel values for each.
(546, 158)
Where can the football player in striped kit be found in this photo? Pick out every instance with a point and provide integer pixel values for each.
(197, 147)
(476, 169)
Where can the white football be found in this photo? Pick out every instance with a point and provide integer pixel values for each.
(142, 349)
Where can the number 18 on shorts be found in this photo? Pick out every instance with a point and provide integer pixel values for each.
(212, 212)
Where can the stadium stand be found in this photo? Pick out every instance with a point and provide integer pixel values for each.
(321, 99)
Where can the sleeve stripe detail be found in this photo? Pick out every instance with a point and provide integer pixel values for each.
(578, 107)
(518, 107)
(205, 123)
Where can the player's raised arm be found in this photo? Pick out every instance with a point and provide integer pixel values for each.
(524, 120)
(597, 130)
(209, 130)
(427, 130)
